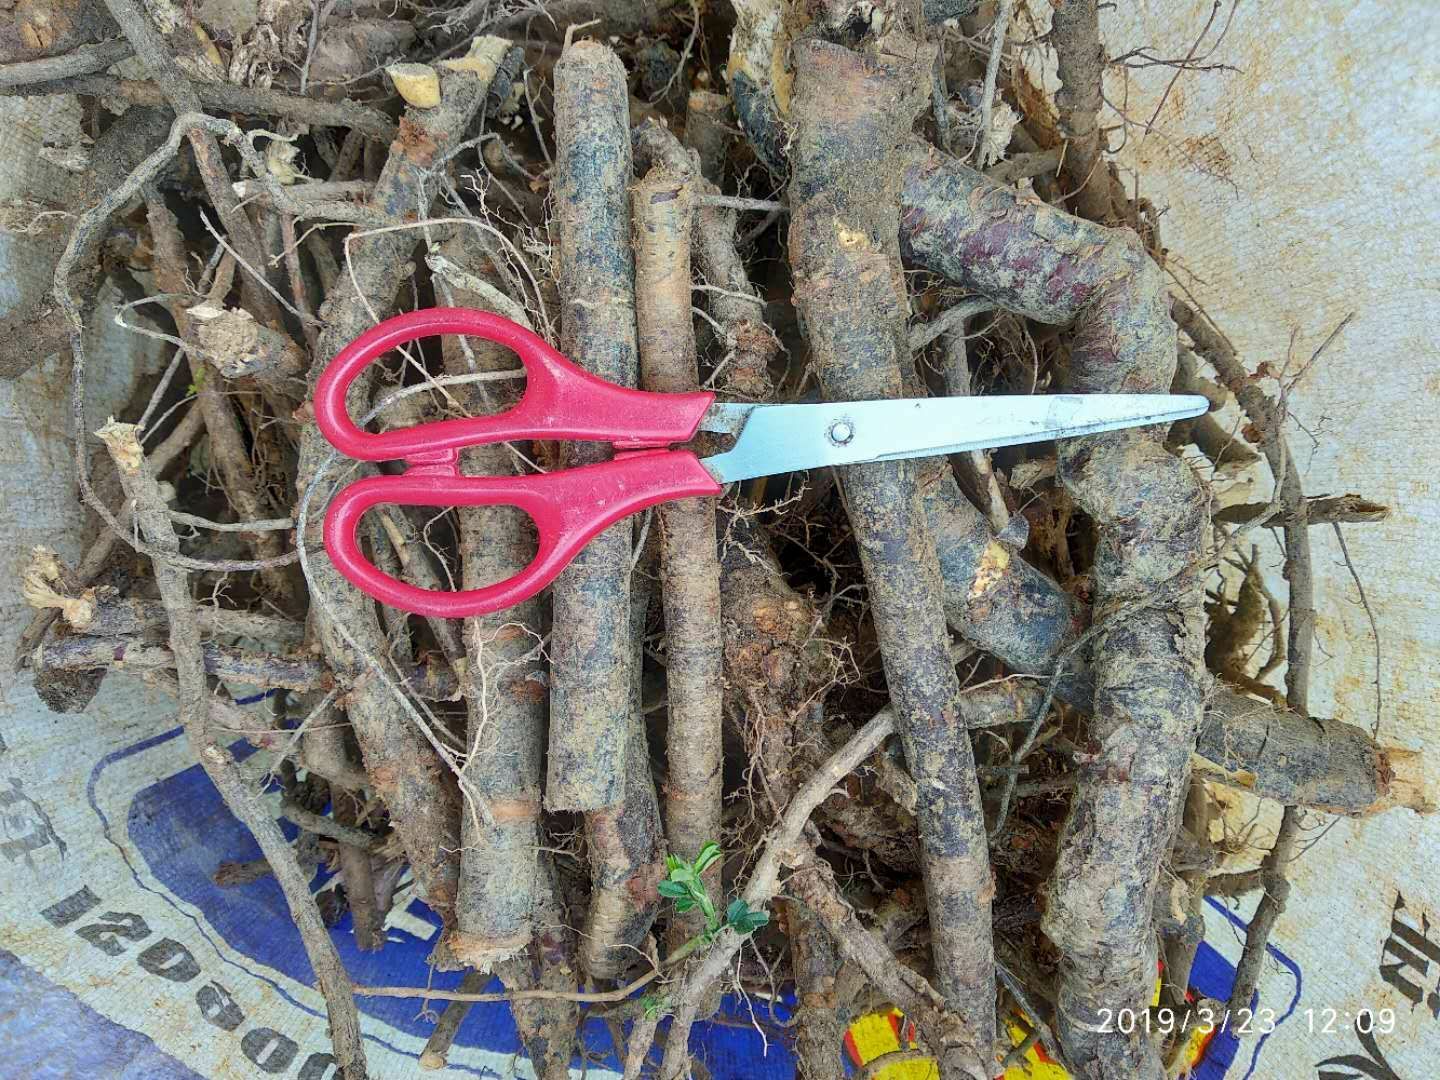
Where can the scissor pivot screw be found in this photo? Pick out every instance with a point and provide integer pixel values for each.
(841, 432)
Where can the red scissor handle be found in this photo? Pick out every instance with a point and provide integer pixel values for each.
(561, 401)
(569, 507)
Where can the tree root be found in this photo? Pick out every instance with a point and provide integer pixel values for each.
(850, 291)
(1040, 762)
(591, 653)
(689, 561)
(409, 774)
(504, 696)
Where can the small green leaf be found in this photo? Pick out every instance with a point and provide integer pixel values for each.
(749, 922)
(672, 889)
(684, 904)
(673, 863)
(737, 910)
(707, 857)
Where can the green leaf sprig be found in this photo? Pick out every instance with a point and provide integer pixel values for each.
(683, 886)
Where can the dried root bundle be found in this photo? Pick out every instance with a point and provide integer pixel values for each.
(898, 736)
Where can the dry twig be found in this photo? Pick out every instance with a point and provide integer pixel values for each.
(235, 789)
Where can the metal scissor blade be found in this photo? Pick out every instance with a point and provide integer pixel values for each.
(789, 438)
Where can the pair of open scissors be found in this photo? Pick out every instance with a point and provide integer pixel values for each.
(571, 506)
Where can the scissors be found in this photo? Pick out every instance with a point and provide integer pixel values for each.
(571, 506)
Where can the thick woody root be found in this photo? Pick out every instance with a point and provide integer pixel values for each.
(733, 301)
(357, 871)
(548, 1026)
(1149, 680)
(1076, 37)
(1182, 944)
(240, 347)
(598, 759)
(994, 598)
(591, 652)
(776, 667)
(777, 663)
(39, 30)
(1148, 670)
(505, 690)
(139, 654)
(556, 17)
(689, 562)
(1299, 760)
(624, 843)
(820, 1019)
(407, 771)
(708, 128)
(1260, 747)
(851, 116)
(219, 96)
(1146, 663)
(1226, 450)
(507, 916)
(1048, 265)
(328, 749)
